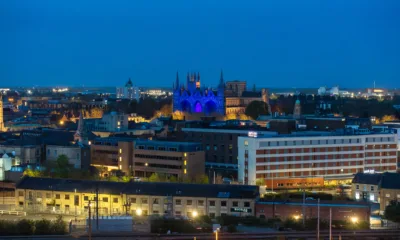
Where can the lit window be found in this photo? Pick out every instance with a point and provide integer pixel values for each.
(184, 171)
(120, 166)
(185, 154)
(184, 163)
(387, 194)
(120, 159)
(246, 143)
(120, 150)
(357, 195)
(372, 197)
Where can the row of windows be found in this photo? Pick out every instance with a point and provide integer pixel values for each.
(158, 157)
(306, 158)
(215, 147)
(215, 136)
(310, 150)
(158, 165)
(310, 142)
(171, 149)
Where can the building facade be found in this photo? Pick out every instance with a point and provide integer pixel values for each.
(194, 99)
(111, 122)
(365, 187)
(128, 91)
(389, 189)
(178, 159)
(344, 211)
(65, 196)
(220, 146)
(78, 155)
(142, 158)
(334, 157)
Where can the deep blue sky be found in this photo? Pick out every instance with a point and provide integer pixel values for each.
(270, 43)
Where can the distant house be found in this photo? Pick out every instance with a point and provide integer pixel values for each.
(365, 186)
(389, 189)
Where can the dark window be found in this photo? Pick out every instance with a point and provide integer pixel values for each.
(189, 202)
(86, 198)
(200, 203)
(235, 204)
(246, 204)
(66, 196)
(144, 200)
(115, 200)
(223, 203)
(178, 202)
(212, 203)
(58, 196)
(133, 200)
(105, 199)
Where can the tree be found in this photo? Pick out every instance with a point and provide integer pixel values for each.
(173, 179)
(32, 173)
(203, 179)
(113, 179)
(392, 211)
(125, 179)
(256, 108)
(62, 166)
(260, 182)
(154, 178)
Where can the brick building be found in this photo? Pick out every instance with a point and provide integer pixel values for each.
(335, 158)
(294, 209)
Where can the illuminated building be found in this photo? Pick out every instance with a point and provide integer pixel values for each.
(194, 99)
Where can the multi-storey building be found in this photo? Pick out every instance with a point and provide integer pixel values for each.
(178, 159)
(294, 160)
(128, 91)
(112, 153)
(66, 196)
(112, 122)
(142, 158)
(78, 155)
(220, 145)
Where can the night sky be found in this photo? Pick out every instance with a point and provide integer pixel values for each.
(270, 43)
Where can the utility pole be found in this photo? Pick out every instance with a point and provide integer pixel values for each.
(318, 222)
(304, 208)
(330, 223)
(97, 207)
(90, 221)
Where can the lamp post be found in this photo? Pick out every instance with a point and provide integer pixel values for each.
(75, 204)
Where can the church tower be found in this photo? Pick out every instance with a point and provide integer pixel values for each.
(297, 109)
(221, 94)
(81, 135)
(2, 129)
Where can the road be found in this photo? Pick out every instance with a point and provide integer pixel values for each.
(364, 235)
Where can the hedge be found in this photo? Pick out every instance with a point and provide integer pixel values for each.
(30, 227)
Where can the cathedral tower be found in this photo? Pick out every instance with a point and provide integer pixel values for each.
(2, 129)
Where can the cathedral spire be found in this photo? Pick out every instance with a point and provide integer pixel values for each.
(221, 78)
(177, 81)
(198, 76)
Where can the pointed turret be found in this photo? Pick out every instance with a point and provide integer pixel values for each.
(81, 133)
(177, 81)
(221, 78)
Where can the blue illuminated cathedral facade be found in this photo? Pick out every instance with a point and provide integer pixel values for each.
(192, 98)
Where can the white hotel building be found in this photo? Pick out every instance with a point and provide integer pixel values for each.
(292, 161)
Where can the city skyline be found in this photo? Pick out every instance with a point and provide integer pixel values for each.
(291, 44)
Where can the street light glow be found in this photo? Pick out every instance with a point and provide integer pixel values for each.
(354, 219)
(194, 214)
(296, 217)
(139, 212)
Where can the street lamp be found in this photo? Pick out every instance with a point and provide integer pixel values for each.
(194, 214)
(139, 212)
(296, 217)
(354, 220)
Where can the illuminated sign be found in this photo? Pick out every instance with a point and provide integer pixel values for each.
(239, 209)
(252, 134)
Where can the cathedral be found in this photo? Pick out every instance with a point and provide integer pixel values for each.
(192, 98)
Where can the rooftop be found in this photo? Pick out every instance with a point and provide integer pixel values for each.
(390, 181)
(367, 178)
(141, 188)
